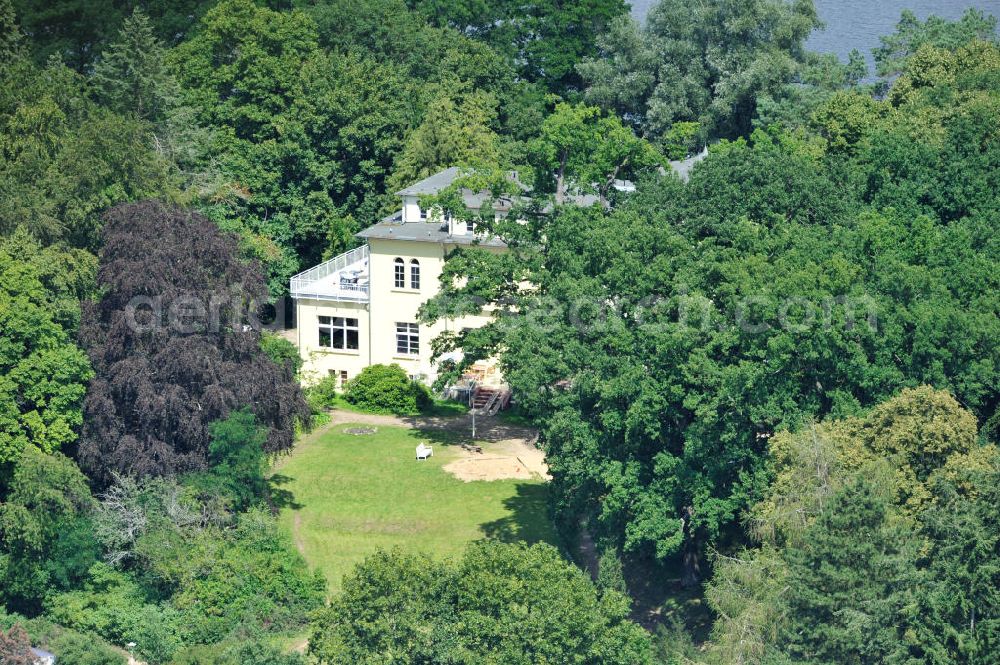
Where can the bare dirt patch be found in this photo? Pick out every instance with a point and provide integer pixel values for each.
(513, 459)
(488, 468)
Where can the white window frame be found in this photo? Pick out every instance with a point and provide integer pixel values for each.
(414, 274)
(407, 339)
(342, 324)
(399, 273)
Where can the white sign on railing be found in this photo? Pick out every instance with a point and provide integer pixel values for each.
(301, 282)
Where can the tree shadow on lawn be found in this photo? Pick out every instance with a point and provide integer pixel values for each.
(442, 437)
(488, 428)
(279, 497)
(459, 430)
(528, 521)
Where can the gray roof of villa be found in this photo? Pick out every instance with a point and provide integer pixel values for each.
(393, 228)
(432, 184)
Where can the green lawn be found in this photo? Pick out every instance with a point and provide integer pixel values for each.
(347, 495)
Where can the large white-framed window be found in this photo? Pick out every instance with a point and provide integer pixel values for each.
(470, 226)
(338, 332)
(399, 273)
(414, 274)
(407, 339)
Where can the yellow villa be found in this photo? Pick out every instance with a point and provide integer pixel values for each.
(360, 308)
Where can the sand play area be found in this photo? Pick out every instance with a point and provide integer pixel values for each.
(500, 460)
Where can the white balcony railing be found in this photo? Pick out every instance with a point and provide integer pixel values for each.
(329, 280)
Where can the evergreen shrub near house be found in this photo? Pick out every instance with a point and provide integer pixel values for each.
(281, 351)
(322, 394)
(387, 389)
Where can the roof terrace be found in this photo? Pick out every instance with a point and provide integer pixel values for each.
(344, 277)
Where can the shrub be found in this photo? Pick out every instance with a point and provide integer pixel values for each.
(237, 456)
(610, 574)
(71, 647)
(281, 351)
(237, 652)
(114, 606)
(387, 389)
(225, 580)
(322, 394)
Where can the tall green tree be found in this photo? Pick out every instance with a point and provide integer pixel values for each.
(64, 159)
(236, 454)
(174, 293)
(453, 132)
(707, 63)
(131, 76)
(46, 540)
(959, 604)
(581, 150)
(852, 583)
(912, 33)
(43, 374)
(304, 138)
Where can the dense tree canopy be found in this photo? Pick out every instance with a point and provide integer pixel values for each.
(778, 377)
(707, 63)
(65, 159)
(499, 603)
(46, 543)
(843, 533)
(666, 339)
(545, 39)
(43, 375)
(173, 346)
(912, 33)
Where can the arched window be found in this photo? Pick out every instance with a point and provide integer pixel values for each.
(414, 274)
(400, 273)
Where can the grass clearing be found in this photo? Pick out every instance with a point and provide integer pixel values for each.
(346, 495)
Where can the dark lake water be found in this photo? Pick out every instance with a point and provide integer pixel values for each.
(859, 23)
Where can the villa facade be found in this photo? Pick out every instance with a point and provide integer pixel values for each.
(360, 308)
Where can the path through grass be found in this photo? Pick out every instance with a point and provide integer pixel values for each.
(348, 495)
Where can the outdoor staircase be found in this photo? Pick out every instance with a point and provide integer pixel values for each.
(489, 401)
